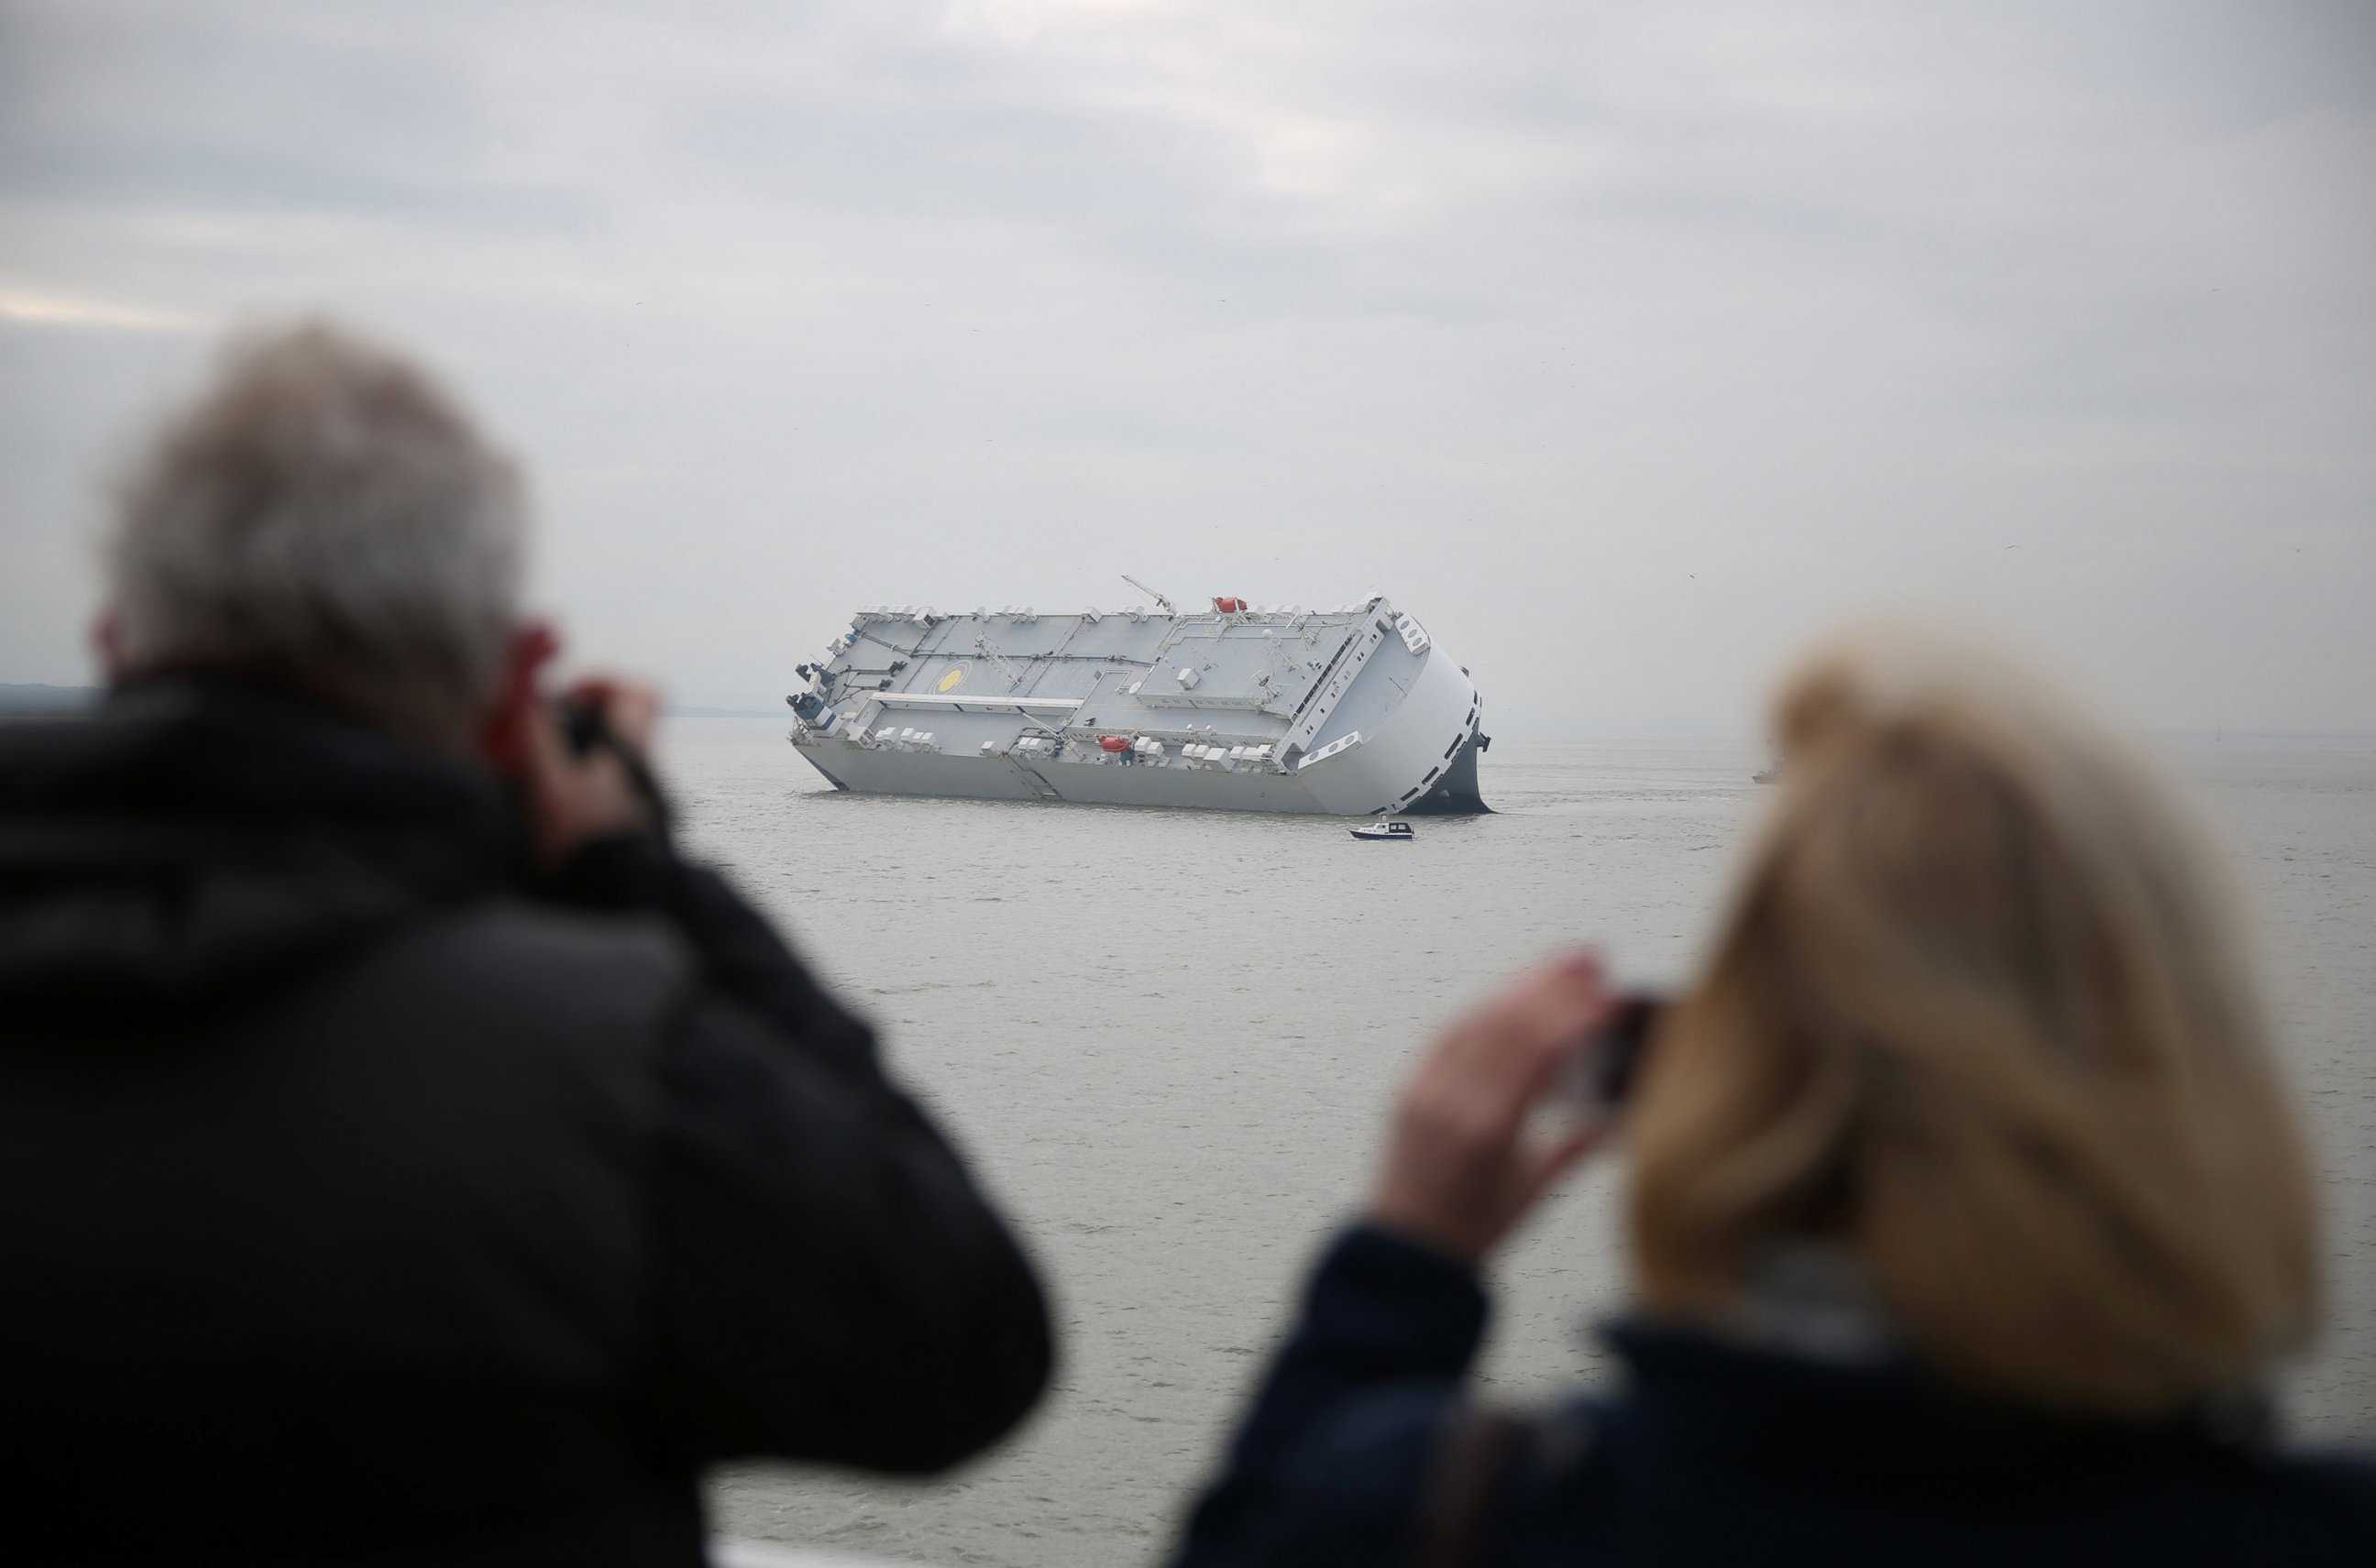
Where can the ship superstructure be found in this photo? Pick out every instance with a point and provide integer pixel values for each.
(1347, 712)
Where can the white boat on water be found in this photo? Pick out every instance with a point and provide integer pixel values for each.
(1385, 833)
(1347, 712)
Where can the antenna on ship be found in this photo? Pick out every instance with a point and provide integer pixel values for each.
(1144, 589)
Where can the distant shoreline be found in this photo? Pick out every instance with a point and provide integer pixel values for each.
(39, 698)
(34, 697)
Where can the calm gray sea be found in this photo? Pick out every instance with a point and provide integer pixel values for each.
(1167, 1040)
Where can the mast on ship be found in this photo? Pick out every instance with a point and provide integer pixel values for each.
(1141, 587)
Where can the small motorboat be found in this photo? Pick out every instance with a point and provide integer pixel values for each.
(1385, 832)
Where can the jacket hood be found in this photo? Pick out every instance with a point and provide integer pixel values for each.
(190, 841)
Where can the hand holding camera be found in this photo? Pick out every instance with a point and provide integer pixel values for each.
(583, 770)
(1465, 1160)
(578, 761)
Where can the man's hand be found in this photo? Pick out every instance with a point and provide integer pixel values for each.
(575, 798)
(1460, 1169)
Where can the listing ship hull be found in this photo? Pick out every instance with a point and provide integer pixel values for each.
(1347, 712)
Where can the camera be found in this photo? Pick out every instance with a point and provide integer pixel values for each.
(582, 724)
(1604, 1071)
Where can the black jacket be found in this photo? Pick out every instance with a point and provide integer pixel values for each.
(360, 1202)
(1362, 1449)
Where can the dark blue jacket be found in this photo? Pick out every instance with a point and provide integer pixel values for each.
(1712, 1452)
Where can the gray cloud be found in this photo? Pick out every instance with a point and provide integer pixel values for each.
(1623, 343)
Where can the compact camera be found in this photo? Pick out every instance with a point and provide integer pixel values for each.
(1604, 1071)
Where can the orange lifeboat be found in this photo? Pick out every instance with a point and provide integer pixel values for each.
(1112, 744)
(1231, 605)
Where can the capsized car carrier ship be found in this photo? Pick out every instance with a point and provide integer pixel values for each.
(1347, 712)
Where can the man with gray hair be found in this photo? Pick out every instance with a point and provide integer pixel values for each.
(327, 514)
(404, 1156)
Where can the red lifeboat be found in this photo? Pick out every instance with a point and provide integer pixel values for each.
(1231, 605)
(1112, 744)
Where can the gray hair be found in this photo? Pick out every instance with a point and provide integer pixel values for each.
(325, 513)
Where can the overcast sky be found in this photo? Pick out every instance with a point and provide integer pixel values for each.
(1622, 344)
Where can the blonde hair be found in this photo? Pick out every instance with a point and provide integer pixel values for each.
(1983, 1017)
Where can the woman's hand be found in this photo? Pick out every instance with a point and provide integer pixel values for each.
(1460, 1169)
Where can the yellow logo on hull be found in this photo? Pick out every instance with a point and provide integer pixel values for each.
(955, 677)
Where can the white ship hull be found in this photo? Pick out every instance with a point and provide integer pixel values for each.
(1344, 712)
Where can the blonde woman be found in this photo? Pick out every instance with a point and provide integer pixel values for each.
(1969, 1214)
